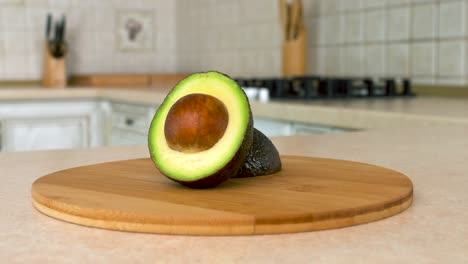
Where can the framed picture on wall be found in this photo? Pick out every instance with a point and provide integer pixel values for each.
(134, 30)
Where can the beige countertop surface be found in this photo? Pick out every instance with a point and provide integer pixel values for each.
(433, 153)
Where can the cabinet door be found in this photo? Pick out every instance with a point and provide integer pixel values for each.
(271, 127)
(45, 133)
(128, 138)
(130, 123)
(52, 124)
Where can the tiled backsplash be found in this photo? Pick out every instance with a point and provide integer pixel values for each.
(426, 40)
(423, 39)
(241, 38)
(237, 37)
(92, 36)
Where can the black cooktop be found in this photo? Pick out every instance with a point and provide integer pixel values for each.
(318, 87)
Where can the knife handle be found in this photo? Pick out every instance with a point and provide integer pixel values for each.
(48, 26)
(64, 22)
(294, 19)
(283, 9)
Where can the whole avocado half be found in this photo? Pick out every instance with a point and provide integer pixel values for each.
(263, 158)
(201, 134)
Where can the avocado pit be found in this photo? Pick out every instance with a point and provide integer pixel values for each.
(196, 122)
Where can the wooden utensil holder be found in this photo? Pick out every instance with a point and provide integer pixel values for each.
(295, 56)
(54, 73)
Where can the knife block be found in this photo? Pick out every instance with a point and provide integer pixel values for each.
(54, 73)
(295, 56)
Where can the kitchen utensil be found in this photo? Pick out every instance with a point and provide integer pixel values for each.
(299, 26)
(263, 95)
(57, 49)
(294, 54)
(251, 92)
(294, 19)
(48, 26)
(308, 194)
(294, 48)
(58, 31)
(62, 29)
(54, 69)
(283, 7)
(56, 37)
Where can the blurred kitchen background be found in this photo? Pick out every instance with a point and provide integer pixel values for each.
(311, 66)
(425, 40)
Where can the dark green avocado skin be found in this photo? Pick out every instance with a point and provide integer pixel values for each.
(263, 158)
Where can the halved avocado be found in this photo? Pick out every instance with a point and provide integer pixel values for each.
(202, 132)
(263, 158)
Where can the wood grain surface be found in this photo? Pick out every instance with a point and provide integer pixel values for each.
(308, 194)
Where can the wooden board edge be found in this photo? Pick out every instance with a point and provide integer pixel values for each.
(210, 230)
(56, 210)
(198, 230)
(333, 223)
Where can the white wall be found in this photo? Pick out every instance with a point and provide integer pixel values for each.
(423, 39)
(240, 38)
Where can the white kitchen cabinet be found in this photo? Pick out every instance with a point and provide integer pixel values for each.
(24, 134)
(130, 123)
(42, 125)
(54, 124)
(272, 127)
(121, 137)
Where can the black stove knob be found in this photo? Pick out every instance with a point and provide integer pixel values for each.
(407, 87)
(390, 87)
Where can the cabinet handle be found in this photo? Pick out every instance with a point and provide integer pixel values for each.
(129, 121)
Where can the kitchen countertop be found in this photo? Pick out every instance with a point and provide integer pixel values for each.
(433, 230)
(429, 146)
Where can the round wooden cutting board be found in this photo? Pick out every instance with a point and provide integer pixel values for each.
(308, 194)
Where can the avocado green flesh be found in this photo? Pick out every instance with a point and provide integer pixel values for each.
(216, 163)
(263, 158)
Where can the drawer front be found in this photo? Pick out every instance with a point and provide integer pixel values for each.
(121, 137)
(139, 123)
